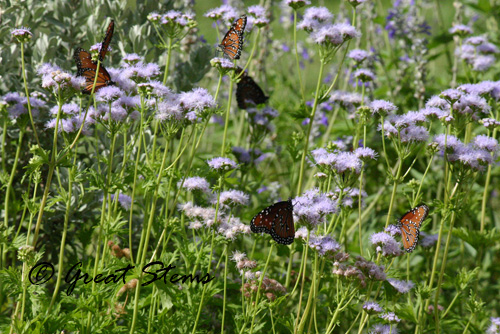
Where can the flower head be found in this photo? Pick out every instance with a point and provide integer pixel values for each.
(401, 286)
(221, 164)
(22, 35)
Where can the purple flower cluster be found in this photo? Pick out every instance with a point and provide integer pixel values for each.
(349, 101)
(224, 12)
(116, 105)
(313, 206)
(232, 198)
(358, 55)
(427, 240)
(372, 308)
(258, 16)
(196, 183)
(21, 35)
(17, 104)
(260, 119)
(188, 107)
(325, 245)
(386, 244)
(317, 22)
(337, 162)
(478, 53)
(406, 127)
(53, 77)
(461, 30)
(70, 120)
(232, 227)
(124, 200)
(494, 327)
(205, 216)
(221, 164)
(296, 4)
(383, 329)
(401, 286)
(390, 317)
(475, 155)
(370, 269)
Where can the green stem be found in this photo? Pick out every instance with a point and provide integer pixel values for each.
(256, 305)
(25, 81)
(308, 133)
(226, 122)
(167, 65)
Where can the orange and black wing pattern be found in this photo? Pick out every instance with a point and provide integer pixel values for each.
(410, 226)
(87, 68)
(107, 40)
(248, 92)
(232, 43)
(276, 220)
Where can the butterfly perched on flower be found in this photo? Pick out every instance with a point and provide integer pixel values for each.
(247, 91)
(86, 67)
(410, 226)
(232, 43)
(276, 220)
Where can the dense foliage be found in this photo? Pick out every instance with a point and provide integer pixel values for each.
(127, 210)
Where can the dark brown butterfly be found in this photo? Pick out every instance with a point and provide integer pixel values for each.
(276, 220)
(410, 226)
(86, 67)
(248, 92)
(232, 43)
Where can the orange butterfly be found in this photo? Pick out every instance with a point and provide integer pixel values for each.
(410, 226)
(232, 43)
(87, 67)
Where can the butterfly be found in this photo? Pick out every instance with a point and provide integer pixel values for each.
(86, 67)
(276, 220)
(248, 91)
(232, 42)
(410, 226)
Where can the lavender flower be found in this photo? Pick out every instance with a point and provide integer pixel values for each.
(365, 153)
(22, 35)
(358, 55)
(221, 164)
(198, 100)
(296, 4)
(487, 143)
(390, 317)
(364, 75)
(427, 240)
(108, 94)
(460, 30)
(370, 269)
(225, 12)
(233, 198)
(196, 183)
(314, 17)
(312, 207)
(222, 64)
(393, 230)
(324, 245)
(483, 63)
(386, 244)
(124, 200)
(401, 286)
(383, 329)
(131, 58)
(372, 308)
(494, 327)
(490, 123)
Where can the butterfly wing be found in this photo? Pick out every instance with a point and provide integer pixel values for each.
(232, 42)
(87, 68)
(107, 40)
(247, 91)
(276, 220)
(283, 231)
(410, 226)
